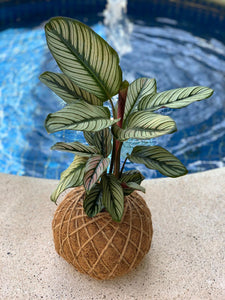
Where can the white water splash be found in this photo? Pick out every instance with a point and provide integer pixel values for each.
(118, 27)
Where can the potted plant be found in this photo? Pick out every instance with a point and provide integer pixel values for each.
(103, 226)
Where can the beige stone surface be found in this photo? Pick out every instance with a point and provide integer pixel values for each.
(221, 2)
(186, 261)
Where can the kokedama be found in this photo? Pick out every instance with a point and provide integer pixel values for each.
(103, 226)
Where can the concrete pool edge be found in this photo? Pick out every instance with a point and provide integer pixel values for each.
(186, 260)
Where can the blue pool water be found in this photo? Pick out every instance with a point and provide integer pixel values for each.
(163, 49)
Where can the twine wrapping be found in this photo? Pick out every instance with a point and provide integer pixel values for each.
(98, 246)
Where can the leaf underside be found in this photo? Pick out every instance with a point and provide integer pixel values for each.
(95, 167)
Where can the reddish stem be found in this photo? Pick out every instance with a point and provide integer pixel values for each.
(121, 106)
(120, 114)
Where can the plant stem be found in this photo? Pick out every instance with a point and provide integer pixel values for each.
(113, 156)
(121, 171)
(117, 145)
(113, 109)
(114, 140)
(117, 158)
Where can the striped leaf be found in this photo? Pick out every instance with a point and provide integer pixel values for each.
(176, 98)
(66, 89)
(158, 158)
(144, 125)
(79, 116)
(130, 181)
(76, 148)
(113, 198)
(95, 167)
(89, 137)
(84, 57)
(71, 177)
(93, 201)
(133, 186)
(138, 89)
(132, 176)
(103, 141)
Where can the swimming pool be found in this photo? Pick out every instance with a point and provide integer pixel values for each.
(164, 45)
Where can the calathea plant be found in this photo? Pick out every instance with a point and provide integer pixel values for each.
(91, 76)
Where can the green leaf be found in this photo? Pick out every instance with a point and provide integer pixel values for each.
(89, 137)
(144, 125)
(84, 57)
(132, 176)
(113, 198)
(176, 98)
(136, 91)
(79, 116)
(95, 167)
(71, 177)
(135, 187)
(76, 148)
(66, 89)
(93, 201)
(130, 181)
(102, 141)
(158, 158)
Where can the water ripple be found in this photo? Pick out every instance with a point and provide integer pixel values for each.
(175, 57)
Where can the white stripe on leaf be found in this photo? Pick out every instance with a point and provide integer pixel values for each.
(66, 89)
(113, 197)
(76, 148)
(137, 90)
(144, 125)
(71, 177)
(84, 57)
(176, 98)
(158, 158)
(95, 167)
(79, 116)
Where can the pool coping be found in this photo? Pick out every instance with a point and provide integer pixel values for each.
(186, 260)
(19, 13)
